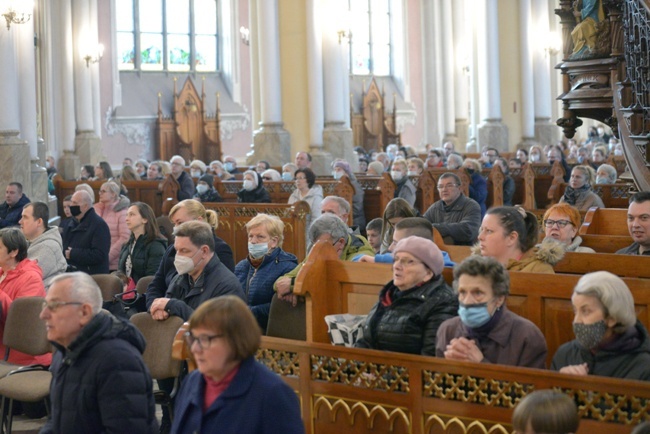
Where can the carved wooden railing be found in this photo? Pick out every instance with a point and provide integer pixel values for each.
(611, 82)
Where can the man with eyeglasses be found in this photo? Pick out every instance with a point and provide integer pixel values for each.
(455, 216)
(186, 190)
(489, 157)
(99, 380)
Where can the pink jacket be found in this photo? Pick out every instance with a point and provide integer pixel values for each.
(114, 214)
(26, 280)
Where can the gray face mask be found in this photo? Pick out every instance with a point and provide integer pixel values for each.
(590, 335)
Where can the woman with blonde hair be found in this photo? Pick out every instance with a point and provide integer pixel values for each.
(112, 207)
(536, 155)
(579, 193)
(265, 263)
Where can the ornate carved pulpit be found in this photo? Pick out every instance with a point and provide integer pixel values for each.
(373, 129)
(190, 131)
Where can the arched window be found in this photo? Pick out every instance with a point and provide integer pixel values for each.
(166, 35)
(370, 44)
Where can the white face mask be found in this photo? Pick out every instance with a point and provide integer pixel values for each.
(195, 173)
(201, 188)
(412, 173)
(534, 158)
(396, 175)
(337, 174)
(618, 152)
(184, 264)
(286, 176)
(248, 185)
(47, 164)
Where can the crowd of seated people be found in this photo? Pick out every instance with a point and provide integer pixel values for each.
(114, 234)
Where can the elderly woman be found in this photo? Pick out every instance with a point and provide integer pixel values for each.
(205, 191)
(546, 411)
(578, 193)
(112, 208)
(253, 190)
(375, 168)
(415, 166)
(478, 184)
(412, 306)
(340, 168)
(219, 171)
(19, 277)
(606, 174)
(197, 169)
(265, 263)
(509, 234)
(404, 188)
(288, 170)
(271, 175)
(485, 331)
(230, 388)
(307, 190)
(561, 223)
(610, 341)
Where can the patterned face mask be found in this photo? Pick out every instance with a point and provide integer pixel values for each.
(590, 335)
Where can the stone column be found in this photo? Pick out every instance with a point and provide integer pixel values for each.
(546, 132)
(87, 143)
(271, 142)
(432, 54)
(528, 38)
(461, 90)
(448, 77)
(58, 91)
(14, 164)
(491, 131)
(337, 136)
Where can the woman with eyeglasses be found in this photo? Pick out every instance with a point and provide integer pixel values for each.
(561, 223)
(307, 190)
(485, 331)
(112, 208)
(230, 391)
(412, 306)
(509, 234)
(19, 277)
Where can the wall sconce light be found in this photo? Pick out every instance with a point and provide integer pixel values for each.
(96, 58)
(554, 44)
(16, 15)
(245, 35)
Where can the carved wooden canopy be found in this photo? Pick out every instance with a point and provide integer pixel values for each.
(189, 132)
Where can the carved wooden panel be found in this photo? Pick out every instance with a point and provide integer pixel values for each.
(373, 129)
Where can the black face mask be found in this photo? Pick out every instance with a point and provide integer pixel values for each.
(470, 171)
(75, 210)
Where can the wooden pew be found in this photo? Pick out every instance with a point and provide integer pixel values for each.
(494, 178)
(378, 191)
(547, 179)
(332, 286)
(425, 190)
(234, 216)
(524, 187)
(618, 162)
(605, 229)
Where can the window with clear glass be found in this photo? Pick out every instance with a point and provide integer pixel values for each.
(166, 35)
(370, 45)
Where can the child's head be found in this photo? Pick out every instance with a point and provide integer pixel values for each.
(546, 411)
(373, 230)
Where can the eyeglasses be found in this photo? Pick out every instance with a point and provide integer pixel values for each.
(560, 223)
(204, 341)
(404, 262)
(53, 306)
(447, 186)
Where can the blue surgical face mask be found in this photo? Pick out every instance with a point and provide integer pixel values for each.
(602, 180)
(258, 250)
(474, 315)
(229, 166)
(337, 174)
(200, 189)
(286, 176)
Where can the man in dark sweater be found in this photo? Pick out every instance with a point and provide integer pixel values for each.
(12, 208)
(638, 223)
(178, 171)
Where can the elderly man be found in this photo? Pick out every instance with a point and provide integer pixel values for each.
(11, 209)
(184, 180)
(87, 239)
(455, 216)
(99, 380)
(200, 275)
(45, 243)
(606, 174)
(638, 223)
(331, 228)
(303, 160)
(454, 162)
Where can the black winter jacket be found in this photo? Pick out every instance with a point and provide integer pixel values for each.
(216, 280)
(10, 215)
(631, 361)
(146, 257)
(410, 323)
(100, 384)
(90, 240)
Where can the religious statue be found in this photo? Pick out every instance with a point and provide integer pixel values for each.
(591, 34)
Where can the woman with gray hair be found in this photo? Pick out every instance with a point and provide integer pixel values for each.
(485, 324)
(253, 190)
(610, 341)
(606, 174)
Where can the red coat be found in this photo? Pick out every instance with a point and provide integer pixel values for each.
(26, 280)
